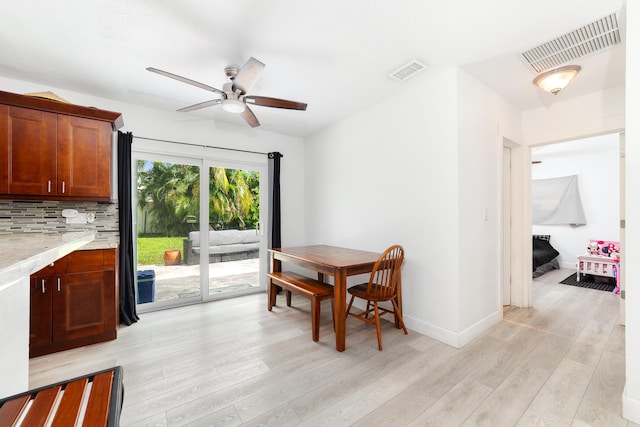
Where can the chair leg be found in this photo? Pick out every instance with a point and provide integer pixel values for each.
(333, 313)
(349, 306)
(375, 310)
(368, 310)
(399, 316)
(288, 293)
(315, 318)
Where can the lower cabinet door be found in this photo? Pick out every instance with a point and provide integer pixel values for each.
(40, 316)
(80, 307)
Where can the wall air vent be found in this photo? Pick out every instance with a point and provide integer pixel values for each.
(584, 41)
(408, 70)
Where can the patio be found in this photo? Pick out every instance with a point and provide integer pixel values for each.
(183, 281)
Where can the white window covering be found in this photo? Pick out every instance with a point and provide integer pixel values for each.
(557, 201)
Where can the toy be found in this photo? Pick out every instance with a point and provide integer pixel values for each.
(593, 248)
(613, 251)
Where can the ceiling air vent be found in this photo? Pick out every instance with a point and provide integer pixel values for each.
(409, 70)
(584, 41)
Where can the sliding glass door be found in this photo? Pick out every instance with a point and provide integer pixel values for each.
(199, 228)
(233, 230)
(167, 212)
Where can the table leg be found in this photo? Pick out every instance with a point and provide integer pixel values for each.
(340, 307)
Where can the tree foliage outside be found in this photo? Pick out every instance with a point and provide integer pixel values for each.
(171, 194)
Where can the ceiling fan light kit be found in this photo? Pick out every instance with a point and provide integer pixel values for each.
(233, 96)
(555, 80)
(234, 106)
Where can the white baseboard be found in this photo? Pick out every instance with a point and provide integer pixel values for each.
(432, 331)
(480, 327)
(630, 407)
(450, 337)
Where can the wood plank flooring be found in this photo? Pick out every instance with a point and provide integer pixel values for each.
(231, 362)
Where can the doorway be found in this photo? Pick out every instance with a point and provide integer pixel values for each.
(521, 229)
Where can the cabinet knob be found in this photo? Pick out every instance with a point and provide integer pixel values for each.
(62, 187)
(42, 285)
(58, 284)
(49, 186)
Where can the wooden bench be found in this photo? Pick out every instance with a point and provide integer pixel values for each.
(314, 290)
(92, 400)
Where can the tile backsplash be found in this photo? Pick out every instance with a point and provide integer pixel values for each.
(46, 217)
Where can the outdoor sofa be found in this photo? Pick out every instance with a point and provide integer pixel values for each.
(224, 245)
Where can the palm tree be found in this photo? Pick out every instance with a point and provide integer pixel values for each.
(231, 197)
(171, 192)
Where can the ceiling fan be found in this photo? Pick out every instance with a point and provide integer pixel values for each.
(233, 96)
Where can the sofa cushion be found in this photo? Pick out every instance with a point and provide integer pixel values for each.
(229, 249)
(226, 237)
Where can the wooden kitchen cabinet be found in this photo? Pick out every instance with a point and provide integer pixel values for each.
(55, 151)
(74, 302)
(31, 151)
(42, 283)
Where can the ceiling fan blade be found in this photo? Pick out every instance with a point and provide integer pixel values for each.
(275, 102)
(250, 118)
(247, 76)
(201, 105)
(185, 80)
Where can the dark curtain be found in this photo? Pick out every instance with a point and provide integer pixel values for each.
(128, 313)
(274, 172)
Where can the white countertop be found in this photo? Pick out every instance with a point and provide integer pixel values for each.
(25, 253)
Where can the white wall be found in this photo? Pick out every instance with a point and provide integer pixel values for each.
(593, 114)
(389, 175)
(596, 162)
(405, 171)
(631, 271)
(484, 119)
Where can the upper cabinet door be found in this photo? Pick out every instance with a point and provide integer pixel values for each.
(84, 157)
(4, 149)
(28, 145)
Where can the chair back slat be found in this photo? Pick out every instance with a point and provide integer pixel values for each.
(383, 281)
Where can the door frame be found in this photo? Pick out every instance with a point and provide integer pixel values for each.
(521, 223)
(202, 155)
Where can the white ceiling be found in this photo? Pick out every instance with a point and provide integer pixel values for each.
(335, 55)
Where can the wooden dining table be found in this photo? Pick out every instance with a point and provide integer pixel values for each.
(329, 261)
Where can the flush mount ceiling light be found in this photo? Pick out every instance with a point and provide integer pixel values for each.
(555, 80)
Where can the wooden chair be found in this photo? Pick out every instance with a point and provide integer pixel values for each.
(382, 286)
(312, 289)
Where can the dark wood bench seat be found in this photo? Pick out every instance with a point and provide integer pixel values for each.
(312, 289)
(101, 406)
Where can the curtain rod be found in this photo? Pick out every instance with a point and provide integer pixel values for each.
(199, 145)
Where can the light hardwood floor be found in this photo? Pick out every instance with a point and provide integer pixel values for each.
(233, 363)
